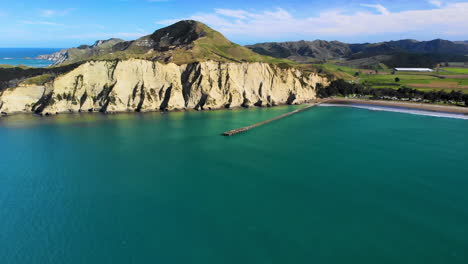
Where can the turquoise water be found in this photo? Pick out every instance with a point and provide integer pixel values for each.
(328, 185)
(25, 56)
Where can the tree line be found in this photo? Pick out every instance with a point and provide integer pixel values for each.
(343, 88)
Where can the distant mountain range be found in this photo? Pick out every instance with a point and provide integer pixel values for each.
(430, 52)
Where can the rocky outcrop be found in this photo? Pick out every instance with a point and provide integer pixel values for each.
(20, 99)
(57, 57)
(143, 85)
(83, 51)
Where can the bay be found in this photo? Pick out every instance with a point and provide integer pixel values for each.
(327, 185)
(25, 56)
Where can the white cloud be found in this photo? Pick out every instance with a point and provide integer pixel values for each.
(435, 3)
(241, 14)
(55, 13)
(449, 19)
(380, 8)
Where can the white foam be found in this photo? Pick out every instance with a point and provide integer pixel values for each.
(401, 110)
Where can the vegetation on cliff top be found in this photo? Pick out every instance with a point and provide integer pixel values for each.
(184, 42)
(38, 80)
(12, 76)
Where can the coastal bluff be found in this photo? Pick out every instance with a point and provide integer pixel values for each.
(144, 85)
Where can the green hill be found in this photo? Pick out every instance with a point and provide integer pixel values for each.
(183, 42)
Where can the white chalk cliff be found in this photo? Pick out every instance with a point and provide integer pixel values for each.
(144, 85)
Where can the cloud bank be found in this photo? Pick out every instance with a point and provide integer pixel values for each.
(441, 20)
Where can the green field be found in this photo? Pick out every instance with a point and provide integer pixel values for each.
(8, 66)
(385, 78)
(342, 72)
(454, 70)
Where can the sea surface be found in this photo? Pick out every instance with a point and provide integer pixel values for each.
(327, 185)
(25, 56)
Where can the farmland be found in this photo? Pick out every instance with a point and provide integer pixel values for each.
(446, 79)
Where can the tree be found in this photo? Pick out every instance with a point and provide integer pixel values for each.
(397, 79)
(356, 74)
(465, 98)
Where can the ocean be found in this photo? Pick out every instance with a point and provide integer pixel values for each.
(327, 185)
(25, 56)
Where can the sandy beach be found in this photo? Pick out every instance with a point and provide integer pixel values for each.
(422, 106)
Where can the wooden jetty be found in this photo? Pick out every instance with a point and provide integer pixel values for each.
(243, 129)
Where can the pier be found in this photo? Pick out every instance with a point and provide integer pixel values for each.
(244, 129)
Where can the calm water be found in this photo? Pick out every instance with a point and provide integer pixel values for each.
(329, 185)
(25, 56)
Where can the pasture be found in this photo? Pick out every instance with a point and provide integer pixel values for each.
(447, 79)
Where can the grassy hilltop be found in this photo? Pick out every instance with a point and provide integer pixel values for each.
(184, 42)
(181, 43)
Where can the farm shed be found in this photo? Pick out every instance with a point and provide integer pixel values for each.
(413, 69)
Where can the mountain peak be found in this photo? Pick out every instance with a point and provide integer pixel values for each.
(181, 33)
(184, 42)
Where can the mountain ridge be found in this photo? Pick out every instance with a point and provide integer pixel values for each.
(184, 42)
(313, 51)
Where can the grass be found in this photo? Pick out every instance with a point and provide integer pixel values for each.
(384, 78)
(8, 66)
(340, 72)
(390, 78)
(38, 80)
(212, 46)
(454, 71)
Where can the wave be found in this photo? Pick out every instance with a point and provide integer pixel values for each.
(401, 110)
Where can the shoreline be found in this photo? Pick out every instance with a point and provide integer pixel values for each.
(40, 115)
(343, 101)
(398, 104)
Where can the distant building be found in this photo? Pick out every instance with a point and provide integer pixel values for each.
(413, 69)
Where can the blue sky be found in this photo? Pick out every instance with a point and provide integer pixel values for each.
(53, 23)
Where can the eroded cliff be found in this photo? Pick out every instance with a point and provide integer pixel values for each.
(143, 85)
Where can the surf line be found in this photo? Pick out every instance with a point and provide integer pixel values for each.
(247, 128)
(400, 109)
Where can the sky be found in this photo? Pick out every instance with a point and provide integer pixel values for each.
(64, 23)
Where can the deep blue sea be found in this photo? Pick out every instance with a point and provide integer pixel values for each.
(25, 56)
(329, 185)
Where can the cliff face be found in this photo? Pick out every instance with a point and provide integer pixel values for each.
(142, 85)
(57, 57)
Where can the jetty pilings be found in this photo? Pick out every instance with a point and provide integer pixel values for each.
(247, 128)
